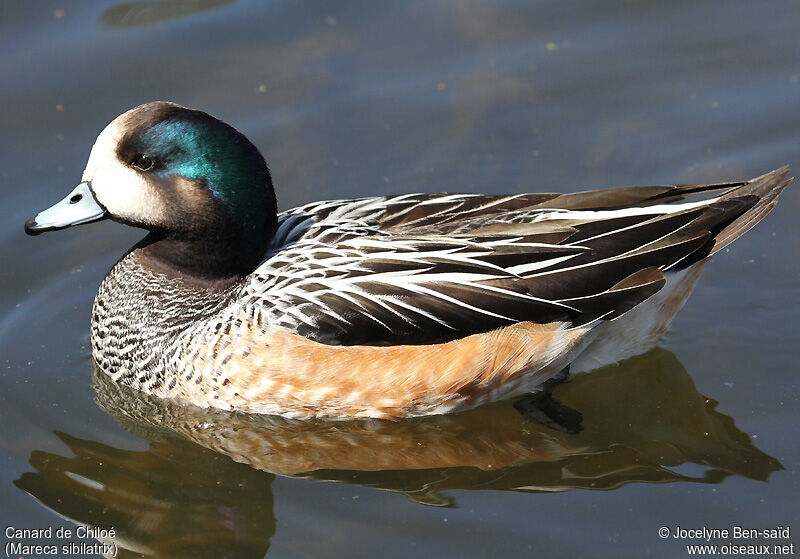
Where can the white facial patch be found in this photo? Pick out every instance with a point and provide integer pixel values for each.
(121, 189)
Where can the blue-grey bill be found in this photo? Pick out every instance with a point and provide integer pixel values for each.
(80, 206)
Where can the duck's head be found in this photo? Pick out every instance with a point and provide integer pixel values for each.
(199, 186)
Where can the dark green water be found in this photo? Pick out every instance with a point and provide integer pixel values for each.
(364, 98)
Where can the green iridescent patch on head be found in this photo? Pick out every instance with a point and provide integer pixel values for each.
(230, 166)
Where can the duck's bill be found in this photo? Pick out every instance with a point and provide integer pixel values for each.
(80, 206)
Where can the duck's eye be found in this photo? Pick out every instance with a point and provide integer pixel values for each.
(142, 162)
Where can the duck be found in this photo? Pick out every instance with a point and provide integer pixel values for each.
(384, 307)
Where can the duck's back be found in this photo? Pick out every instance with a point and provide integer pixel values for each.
(428, 268)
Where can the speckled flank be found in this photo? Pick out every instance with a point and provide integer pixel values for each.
(271, 370)
(235, 360)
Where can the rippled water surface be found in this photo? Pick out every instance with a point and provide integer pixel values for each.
(363, 98)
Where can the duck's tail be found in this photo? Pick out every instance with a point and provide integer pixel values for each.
(734, 210)
(758, 196)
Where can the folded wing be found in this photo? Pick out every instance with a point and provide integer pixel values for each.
(427, 268)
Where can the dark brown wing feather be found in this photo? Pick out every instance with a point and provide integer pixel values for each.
(431, 267)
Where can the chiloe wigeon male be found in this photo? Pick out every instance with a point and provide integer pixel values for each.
(385, 307)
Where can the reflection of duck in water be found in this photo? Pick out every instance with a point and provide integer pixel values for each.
(175, 499)
(149, 12)
(179, 493)
(666, 422)
(389, 307)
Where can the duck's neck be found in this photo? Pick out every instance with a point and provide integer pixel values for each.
(211, 262)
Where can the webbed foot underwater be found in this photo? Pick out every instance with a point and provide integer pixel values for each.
(386, 307)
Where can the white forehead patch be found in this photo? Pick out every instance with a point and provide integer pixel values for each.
(121, 189)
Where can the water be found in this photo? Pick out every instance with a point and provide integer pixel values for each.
(373, 98)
